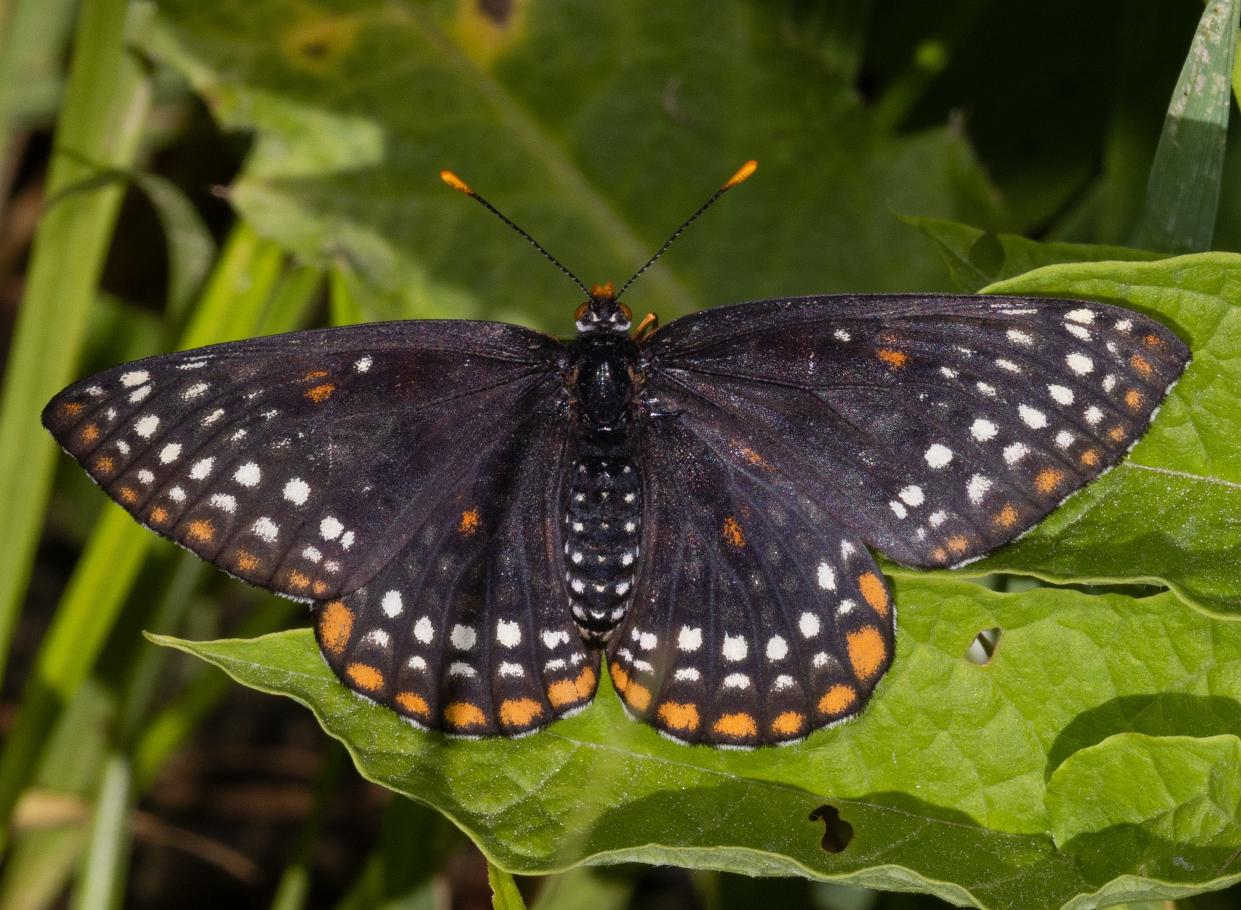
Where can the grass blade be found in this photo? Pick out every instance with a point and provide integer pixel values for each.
(1182, 194)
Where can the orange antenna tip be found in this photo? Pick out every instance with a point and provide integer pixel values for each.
(456, 182)
(743, 174)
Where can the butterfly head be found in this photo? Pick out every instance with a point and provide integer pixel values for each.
(602, 312)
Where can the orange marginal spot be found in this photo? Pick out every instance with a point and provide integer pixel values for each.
(89, 434)
(679, 715)
(1007, 516)
(958, 544)
(620, 678)
(299, 580)
(1116, 433)
(127, 495)
(413, 703)
(519, 712)
(1046, 480)
(1142, 365)
(742, 175)
(455, 182)
(867, 651)
(364, 676)
(637, 696)
(159, 515)
(71, 409)
(104, 464)
(464, 714)
(892, 358)
(1133, 399)
(320, 393)
(939, 554)
(469, 522)
(837, 699)
(319, 587)
(562, 692)
(732, 532)
(738, 725)
(585, 682)
(246, 561)
(200, 531)
(1089, 458)
(567, 691)
(1153, 341)
(335, 626)
(789, 723)
(875, 593)
(315, 374)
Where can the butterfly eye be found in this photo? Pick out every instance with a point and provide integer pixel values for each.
(626, 312)
(582, 311)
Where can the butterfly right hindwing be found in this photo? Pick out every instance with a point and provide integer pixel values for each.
(757, 618)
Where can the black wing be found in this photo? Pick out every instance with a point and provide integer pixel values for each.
(757, 616)
(365, 468)
(937, 427)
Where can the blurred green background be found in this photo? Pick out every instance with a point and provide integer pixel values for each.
(176, 173)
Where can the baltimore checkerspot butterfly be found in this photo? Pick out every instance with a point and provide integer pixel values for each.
(477, 511)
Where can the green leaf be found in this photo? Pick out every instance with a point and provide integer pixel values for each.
(504, 893)
(1182, 196)
(940, 786)
(1170, 805)
(975, 258)
(599, 154)
(1168, 513)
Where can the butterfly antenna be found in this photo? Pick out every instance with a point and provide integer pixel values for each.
(462, 187)
(741, 176)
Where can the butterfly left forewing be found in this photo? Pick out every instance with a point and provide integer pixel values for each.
(942, 426)
(756, 617)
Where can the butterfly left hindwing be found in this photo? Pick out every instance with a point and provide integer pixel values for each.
(756, 618)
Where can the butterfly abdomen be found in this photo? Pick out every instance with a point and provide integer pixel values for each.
(602, 528)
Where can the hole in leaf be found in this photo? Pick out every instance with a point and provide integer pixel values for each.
(837, 832)
(983, 646)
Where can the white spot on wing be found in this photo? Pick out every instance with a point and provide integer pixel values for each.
(913, 495)
(424, 631)
(736, 681)
(202, 468)
(809, 625)
(248, 475)
(146, 425)
(265, 528)
(463, 637)
(297, 491)
(134, 377)
(982, 429)
(977, 488)
(938, 455)
(1015, 452)
(508, 633)
(1079, 363)
(735, 647)
(1083, 315)
(224, 502)
(689, 639)
(827, 577)
(330, 528)
(392, 605)
(1032, 417)
(1060, 394)
(777, 648)
(170, 453)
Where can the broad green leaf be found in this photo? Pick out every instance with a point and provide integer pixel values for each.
(975, 258)
(598, 127)
(940, 785)
(1170, 805)
(1182, 195)
(1168, 513)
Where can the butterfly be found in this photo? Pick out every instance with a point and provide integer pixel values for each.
(486, 518)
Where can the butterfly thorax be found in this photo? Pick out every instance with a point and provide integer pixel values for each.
(603, 511)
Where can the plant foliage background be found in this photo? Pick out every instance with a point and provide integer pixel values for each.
(178, 172)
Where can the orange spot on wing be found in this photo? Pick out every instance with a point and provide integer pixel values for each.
(319, 587)
(71, 409)
(939, 554)
(364, 676)
(620, 678)
(892, 358)
(737, 725)
(158, 515)
(1090, 457)
(637, 696)
(1046, 480)
(788, 723)
(127, 495)
(567, 691)
(1117, 433)
(299, 580)
(89, 434)
(732, 532)
(464, 714)
(413, 703)
(754, 458)
(335, 626)
(246, 561)
(1133, 398)
(1142, 365)
(873, 590)
(679, 715)
(837, 699)
(958, 544)
(469, 522)
(1007, 516)
(200, 531)
(1153, 341)
(867, 651)
(519, 712)
(315, 374)
(320, 393)
(104, 464)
